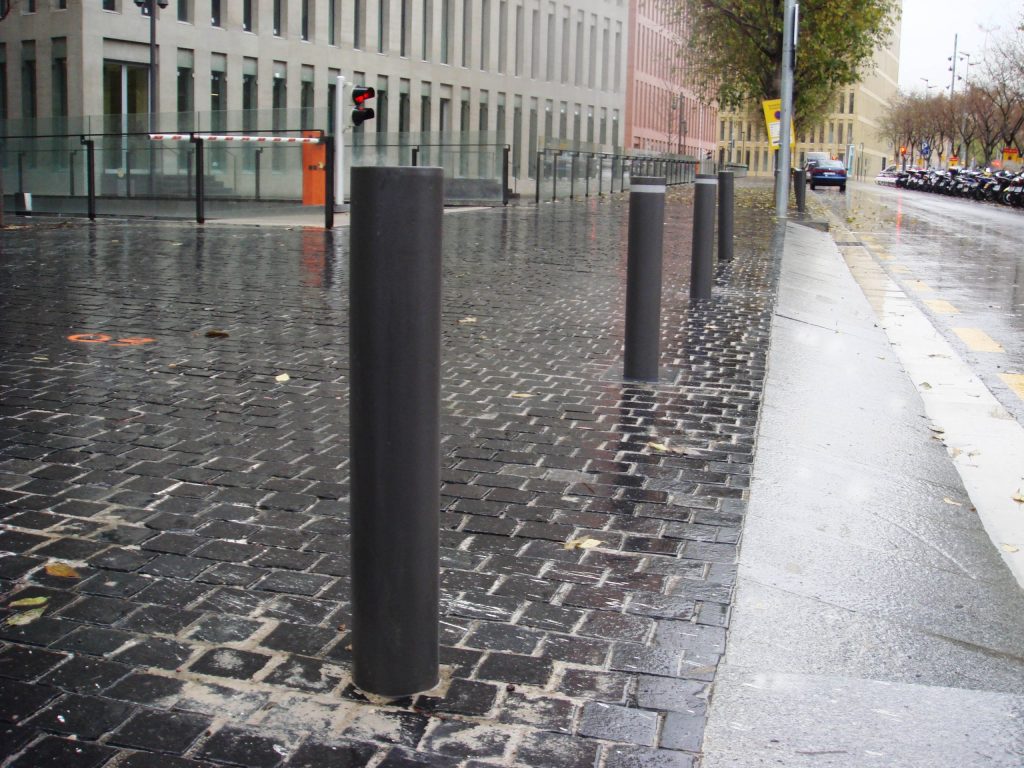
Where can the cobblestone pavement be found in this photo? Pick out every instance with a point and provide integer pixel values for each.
(182, 508)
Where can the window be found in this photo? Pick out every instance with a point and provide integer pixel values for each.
(485, 33)
(592, 63)
(279, 115)
(842, 103)
(618, 60)
(184, 10)
(279, 18)
(467, 32)
(566, 48)
(428, 28)
(3, 81)
(61, 5)
(576, 133)
(29, 107)
(519, 42)
(218, 107)
(549, 119)
(502, 35)
(404, 106)
(615, 129)
(531, 147)
(185, 90)
(111, 5)
(332, 98)
(215, 17)
(383, 26)
(517, 136)
(550, 69)
(425, 100)
(483, 116)
(247, 16)
(500, 118)
(332, 23)
(535, 44)
(446, 30)
(851, 103)
(579, 49)
(306, 97)
(305, 20)
(382, 105)
(250, 106)
(603, 135)
(444, 112)
(358, 24)
(405, 28)
(590, 125)
(840, 133)
(563, 120)
(59, 76)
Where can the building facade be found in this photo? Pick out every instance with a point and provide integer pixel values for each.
(850, 131)
(519, 72)
(664, 113)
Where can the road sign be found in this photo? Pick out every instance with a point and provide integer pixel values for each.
(1011, 155)
(926, 150)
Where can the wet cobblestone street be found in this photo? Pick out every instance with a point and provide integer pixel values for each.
(174, 428)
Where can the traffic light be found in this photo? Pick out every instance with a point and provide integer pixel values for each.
(903, 151)
(360, 95)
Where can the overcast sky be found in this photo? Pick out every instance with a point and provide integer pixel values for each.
(928, 28)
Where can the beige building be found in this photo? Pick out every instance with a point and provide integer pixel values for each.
(517, 72)
(849, 132)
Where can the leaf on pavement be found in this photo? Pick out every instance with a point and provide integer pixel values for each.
(467, 321)
(1011, 548)
(1018, 497)
(283, 378)
(29, 602)
(584, 543)
(521, 395)
(62, 570)
(23, 618)
(951, 502)
(217, 334)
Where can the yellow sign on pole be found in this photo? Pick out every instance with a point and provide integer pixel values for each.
(773, 123)
(1011, 155)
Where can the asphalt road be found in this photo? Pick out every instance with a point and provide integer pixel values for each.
(962, 263)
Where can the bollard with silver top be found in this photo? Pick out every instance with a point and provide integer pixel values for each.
(725, 214)
(643, 278)
(702, 252)
(394, 410)
(800, 188)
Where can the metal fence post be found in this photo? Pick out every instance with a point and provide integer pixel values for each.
(725, 214)
(395, 338)
(90, 175)
(504, 174)
(554, 176)
(329, 181)
(702, 251)
(200, 180)
(572, 176)
(127, 173)
(415, 156)
(257, 167)
(71, 172)
(539, 166)
(643, 278)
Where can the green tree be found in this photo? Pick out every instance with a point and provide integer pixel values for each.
(736, 48)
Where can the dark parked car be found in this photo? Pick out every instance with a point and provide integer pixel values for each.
(829, 173)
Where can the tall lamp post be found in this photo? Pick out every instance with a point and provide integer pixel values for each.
(149, 7)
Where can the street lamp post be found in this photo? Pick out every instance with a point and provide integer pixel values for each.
(148, 7)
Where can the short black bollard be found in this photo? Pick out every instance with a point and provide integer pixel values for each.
(643, 278)
(394, 408)
(725, 214)
(800, 189)
(702, 255)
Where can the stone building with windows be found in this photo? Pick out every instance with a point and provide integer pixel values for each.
(664, 112)
(516, 72)
(849, 132)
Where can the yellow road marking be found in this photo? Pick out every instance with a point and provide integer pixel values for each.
(941, 307)
(1016, 382)
(977, 340)
(920, 287)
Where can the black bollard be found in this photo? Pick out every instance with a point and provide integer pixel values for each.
(643, 278)
(701, 255)
(800, 189)
(725, 215)
(394, 408)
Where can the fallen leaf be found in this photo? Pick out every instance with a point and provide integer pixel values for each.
(29, 602)
(925, 385)
(521, 394)
(1010, 548)
(283, 378)
(23, 618)
(63, 570)
(950, 501)
(467, 320)
(216, 334)
(658, 447)
(1018, 497)
(583, 543)
(937, 430)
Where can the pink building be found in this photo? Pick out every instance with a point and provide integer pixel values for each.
(663, 113)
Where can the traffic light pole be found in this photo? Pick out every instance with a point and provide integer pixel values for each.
(339, 145)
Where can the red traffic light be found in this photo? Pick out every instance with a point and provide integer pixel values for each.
(903, 150)
(360, 95)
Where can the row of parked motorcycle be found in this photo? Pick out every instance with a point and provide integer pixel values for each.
(1006, 187)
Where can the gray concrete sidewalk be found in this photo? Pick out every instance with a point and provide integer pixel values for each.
(874, 623)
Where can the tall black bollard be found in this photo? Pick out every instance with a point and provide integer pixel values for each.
(702, 256)
(90, 176)
(394, 407)
(643, 278)
(800, 189)
(725, 214)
